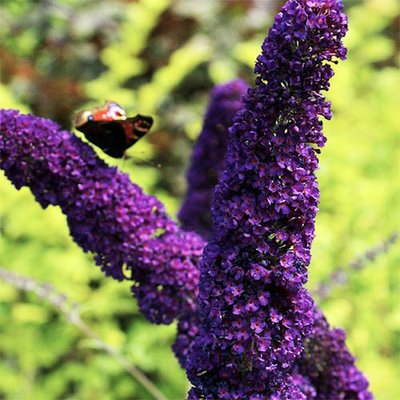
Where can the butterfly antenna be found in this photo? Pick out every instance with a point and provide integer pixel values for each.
(148, 162)
(124, 158)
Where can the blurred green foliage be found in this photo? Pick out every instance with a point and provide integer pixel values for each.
(161, 57)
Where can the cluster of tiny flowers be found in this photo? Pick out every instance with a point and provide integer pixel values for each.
(208, 157)
(254, 310)
(307, 370)
(329, 366)
(207, 161)
(107, 214)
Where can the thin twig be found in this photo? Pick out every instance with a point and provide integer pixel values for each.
(339, 276)
(59, 300)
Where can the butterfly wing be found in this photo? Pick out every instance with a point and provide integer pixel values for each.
(109, 136)
(135, 128)
(114, 137)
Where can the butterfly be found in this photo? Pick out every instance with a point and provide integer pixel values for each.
(108, 128)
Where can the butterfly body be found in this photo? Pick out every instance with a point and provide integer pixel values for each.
(108, 128)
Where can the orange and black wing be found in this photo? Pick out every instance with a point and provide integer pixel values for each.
(115, 137)
(135, 128)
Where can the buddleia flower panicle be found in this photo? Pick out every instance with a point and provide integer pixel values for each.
(329, 366)
(107, 214)
(254, 310)
(206, 165)
(207, 159)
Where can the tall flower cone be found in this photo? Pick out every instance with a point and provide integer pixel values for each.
(254, 311)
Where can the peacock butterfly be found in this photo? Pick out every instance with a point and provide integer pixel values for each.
(108, 128)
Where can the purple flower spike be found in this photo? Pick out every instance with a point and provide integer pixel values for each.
(254, 310)
(329, 365)
(107, 214)
(208, 156)
(207, 162)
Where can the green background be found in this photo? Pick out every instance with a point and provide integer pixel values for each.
(162, 57)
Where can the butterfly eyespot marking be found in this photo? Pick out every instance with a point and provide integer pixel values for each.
(115, 111)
